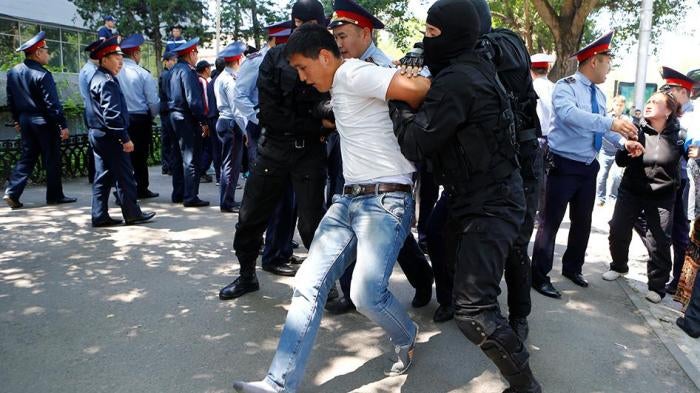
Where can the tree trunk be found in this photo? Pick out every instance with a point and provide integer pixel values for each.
(256, 24)
(157, 41)
(565, 66)
(528, 27)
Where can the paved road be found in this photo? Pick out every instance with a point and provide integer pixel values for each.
(135, 309)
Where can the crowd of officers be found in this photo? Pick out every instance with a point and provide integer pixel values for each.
(254, 115)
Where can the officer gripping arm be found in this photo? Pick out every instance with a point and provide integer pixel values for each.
(423, 133)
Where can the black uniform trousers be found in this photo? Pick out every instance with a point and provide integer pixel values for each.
(518, 269)
(141, 134)
(441, 236)
(230, 138)
(280, 231)
(211, 150)
(680, 234)
(38, 137)
(112, 167)
(658, 214)
(569, 183)
(484, 243)
(186, 158)
(302, 160)
(167, 140)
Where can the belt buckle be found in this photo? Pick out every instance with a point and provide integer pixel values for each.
(356, 190)
(299, 146)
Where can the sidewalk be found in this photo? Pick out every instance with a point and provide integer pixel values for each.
(135, 309)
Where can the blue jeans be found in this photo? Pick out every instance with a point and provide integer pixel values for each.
(369, 229)
(607, 168)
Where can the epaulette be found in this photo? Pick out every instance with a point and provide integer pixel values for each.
(371, 60)
(147, 70)
(570, 79)
(254, 55)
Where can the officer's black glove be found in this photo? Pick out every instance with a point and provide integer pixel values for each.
(400, 112)
(412, 63)
(323, 110)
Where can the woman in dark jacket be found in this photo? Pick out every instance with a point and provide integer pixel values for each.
(649, 185)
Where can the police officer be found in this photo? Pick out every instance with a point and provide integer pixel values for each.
(212, 118)
(203, 69)
(38, 116)
(86, 73)
(167, 135)
(291, 149)
(540, 64)
(188, 117)
(139, 89)
(278, 251)
(175, 39)
(246, 91)
(575, 139)
(229, 127)
(465, 128)
(352, 28)
(108, 122)
(109, 29)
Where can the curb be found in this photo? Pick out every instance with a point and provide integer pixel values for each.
(683, 361)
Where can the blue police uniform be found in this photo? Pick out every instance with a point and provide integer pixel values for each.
(104, 32)
(229, 128)
(84, 77)
(580, 122)
(108, 122)
(188, 115)
(33, 102)
(167, 135)
(215, 144)
(139, 89)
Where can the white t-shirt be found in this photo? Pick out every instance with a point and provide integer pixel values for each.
(369, 148)
(544, 88)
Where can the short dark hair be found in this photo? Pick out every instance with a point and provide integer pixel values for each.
(308, 40)
(540, 70)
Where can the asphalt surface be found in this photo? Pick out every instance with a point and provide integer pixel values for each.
(135, 309)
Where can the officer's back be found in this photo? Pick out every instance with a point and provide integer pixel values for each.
(185, 94)
(29, 84)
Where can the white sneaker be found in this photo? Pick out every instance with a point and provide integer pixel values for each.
(611, 275)
(253, 387)
(653, 297)
(404, 356)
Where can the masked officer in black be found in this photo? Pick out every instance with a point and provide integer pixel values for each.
(108, 121)
(38, 116)
(189, 121)
(290, 148)
(465, 128)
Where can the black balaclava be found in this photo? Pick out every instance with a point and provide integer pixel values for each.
(459, 23)
(484, 11)
(306, 10)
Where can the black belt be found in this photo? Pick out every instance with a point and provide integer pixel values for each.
(376, 188)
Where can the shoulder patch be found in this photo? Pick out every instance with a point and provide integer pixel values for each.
(254, 55)
(570, 79)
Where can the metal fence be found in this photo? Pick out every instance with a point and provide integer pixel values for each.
(74, 160)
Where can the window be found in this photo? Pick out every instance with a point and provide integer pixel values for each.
(66, 45)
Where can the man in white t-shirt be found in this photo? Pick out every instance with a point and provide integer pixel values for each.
(368, 222)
